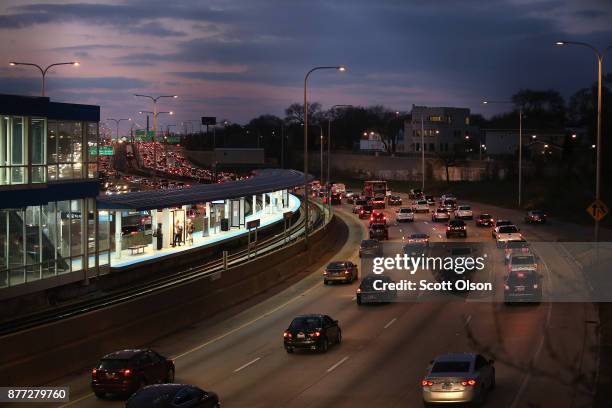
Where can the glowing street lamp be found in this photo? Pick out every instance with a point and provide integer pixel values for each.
(42, 70)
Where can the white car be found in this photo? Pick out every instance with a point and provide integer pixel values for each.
(507, 233)
(464, 212)
(440, 214)
(404, 214)
(420, 206)
(522, 262)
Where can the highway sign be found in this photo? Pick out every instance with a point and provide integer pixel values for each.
(103, 150)
(598, 209)
(209, 120)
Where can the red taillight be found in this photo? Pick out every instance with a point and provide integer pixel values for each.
(347, 272)
(316, 334)
(520, 275)
(426, 383)
(324, 272)
(384, 218)
(127, 372)
(360, 211)
(468, 382)
(94, 372)
(287, 335)
(506, 287)
(448, 228)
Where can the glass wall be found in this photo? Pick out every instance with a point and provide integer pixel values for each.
(44, 241)
(13, 149)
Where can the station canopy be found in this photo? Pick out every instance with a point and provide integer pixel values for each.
(262, 181)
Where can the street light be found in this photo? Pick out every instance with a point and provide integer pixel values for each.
(339, 68)
(43, 71)
(520, 161)
(117, 121)
(329, 138)
(600, 56)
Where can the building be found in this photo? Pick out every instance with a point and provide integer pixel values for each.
(371, 142)
(439, 129)
(49, 184)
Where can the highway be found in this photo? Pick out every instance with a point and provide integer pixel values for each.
(545, 354)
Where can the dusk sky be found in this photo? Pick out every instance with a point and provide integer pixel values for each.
(236, 59)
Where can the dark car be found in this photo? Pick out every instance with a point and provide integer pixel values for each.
(340, 271)
(173, 395)
(379, 231)
(522, 286)
(125, 371)
(378, 217)
(358, 203)
(312, 332)
(456, 228)
(336, 199)
(484, 220)
(370, 248)
(365, 211)
(366, 292)
(535, 217)
(415, 249)
(394, 200)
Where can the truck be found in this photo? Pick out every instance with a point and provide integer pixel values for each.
(375, 187)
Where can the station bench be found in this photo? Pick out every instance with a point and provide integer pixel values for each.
(137, 249)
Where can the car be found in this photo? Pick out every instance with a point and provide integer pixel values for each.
(458, 378)
(365, 211)
(430, 200)
(351, 196)
(484, 220)
(522, 262)
(449, 204)
(394, 200)
(445, 197)
(340, 271)
(404, 214)
(124, 372)
(464, 212)
(336, 199)
(535, 217)
(378, 217)
(357, 204)
(415, 194)
(515, 246)
(507, 233)
(522, 286)
(312, 332)
(456, 227)
(367, 294)
(418, 237)
(420, 206)
(415, 249)
(378, 201)
(499, 223)
(370, 248)
(440, 214)
(379, 231)
(173, 395)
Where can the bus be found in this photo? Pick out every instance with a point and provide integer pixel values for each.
(374, 188)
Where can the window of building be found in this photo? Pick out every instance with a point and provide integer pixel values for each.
(432, 147)
(417, 147)
(65, 150)
(13, 149)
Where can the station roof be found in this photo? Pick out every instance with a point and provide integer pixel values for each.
(263, 181)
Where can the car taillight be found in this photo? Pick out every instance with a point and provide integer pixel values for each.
(506, 287)
(426, 383)
(287, 335)
(346, 272)
(127, 372)
(468, 382)
(535, 285)
(360, 211)
(94, 372)
(384, 218)
(316, 334)
(448, 228)
(324, 272)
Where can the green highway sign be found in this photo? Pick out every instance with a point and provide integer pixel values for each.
(103, 150)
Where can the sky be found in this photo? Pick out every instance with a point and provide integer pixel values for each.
(237, 59)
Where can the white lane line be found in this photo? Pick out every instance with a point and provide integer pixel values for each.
(332, 368)
(354, 298)
(390, 323)
(440, 236)
(467, 320)
(425, 222)
(242, 367)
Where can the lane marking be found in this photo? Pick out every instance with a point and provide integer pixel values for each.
(354, 298)
(467, 320)
(440, 236)
(390, 323)
(242, 367)
(332, 368)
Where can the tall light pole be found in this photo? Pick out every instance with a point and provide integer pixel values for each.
(338, 68)
(117, 121)
(42, 70)
(520, 149)
(155, 99)
(600, 56)
(155, 114)
(329, 139)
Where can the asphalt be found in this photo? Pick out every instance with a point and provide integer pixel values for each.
(546, 354)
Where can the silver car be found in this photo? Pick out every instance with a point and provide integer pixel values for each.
(458, 378)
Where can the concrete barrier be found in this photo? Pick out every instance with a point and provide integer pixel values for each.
(41, 354)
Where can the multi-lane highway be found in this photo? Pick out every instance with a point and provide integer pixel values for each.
(545, 354)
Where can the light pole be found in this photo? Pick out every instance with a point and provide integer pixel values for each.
(42, 70)
(338, 68)
(600, 56)
(155, 99)
(520, 149)
(117, 121)
(155, 114)
(329, 139)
